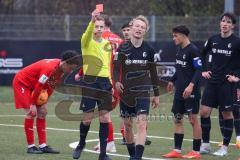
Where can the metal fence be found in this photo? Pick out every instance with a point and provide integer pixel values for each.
(20, 27)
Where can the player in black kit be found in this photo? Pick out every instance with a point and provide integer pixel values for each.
(236, 112)
(187, 92)
(135, 59)
(218, 93)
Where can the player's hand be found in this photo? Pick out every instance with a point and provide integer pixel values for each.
(188, 91)
(77, 77)
(95, 13)
(155, 101)
(207, 74)
(170, 86)
(32, 111)
(119, 87)
(232, 78)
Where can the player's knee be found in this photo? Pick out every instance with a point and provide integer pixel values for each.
(204, 112)
(142, 126)
(193, 121)
(178, 118)
(87, 122)
(30, 116)
(236, 114)
(104, 119)
(104, 116)
(227, 115)
(128, 126)
(42, 114)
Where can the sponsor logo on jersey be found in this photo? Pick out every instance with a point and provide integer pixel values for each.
(128, 62)
(183, 63)
(222, 51)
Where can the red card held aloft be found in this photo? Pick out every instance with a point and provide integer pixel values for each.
(99, 7)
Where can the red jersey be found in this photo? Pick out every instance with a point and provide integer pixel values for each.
(114, 39)
(43, 74)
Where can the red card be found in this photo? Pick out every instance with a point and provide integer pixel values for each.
(99, 7)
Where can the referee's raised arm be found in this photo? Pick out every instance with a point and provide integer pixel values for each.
(88, 34)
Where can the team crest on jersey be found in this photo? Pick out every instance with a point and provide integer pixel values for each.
(229, 45)
(144, 54)
(128, 62)
(214, 50)
(184, 56)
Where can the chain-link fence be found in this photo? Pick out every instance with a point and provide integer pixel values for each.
(13, 27)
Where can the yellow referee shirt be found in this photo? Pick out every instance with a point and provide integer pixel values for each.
(96, 55)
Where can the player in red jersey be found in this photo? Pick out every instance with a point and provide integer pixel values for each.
(28, 84)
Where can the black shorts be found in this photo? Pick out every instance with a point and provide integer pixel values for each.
(220, 95)
(185, 106)
(142, 106)
(96, 90)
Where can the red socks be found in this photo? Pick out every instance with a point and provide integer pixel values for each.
(41, 130)
(29, 133)
(110, 132)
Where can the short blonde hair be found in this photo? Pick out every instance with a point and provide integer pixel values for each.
(143, 19)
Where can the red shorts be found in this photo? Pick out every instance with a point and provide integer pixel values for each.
(22, 94)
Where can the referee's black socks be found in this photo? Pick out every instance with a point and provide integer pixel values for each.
(103, 135)
(131, 149)
(139, 152)
(83, 134)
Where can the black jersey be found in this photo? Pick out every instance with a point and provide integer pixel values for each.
(225, 57)
(188, 69)
(136, 66)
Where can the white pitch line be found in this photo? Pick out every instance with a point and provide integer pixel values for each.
(121, 155)
(93, 140)
(75, 130)
(112, 115)
(22, 115)
(115, 154)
